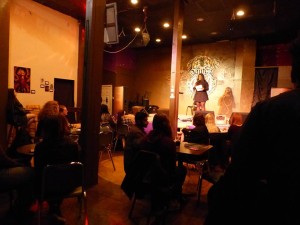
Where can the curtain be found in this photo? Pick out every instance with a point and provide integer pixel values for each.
(265, 79)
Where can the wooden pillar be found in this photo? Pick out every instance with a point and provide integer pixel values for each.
(4, 57)
(92, 79)
(176, 63)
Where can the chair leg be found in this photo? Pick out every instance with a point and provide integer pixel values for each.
(111, 158)
(199, 185)
(132, 206)
(116, 142)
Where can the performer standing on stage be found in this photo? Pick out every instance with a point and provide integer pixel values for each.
(200, 97)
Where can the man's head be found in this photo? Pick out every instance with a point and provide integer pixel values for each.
(141, 119)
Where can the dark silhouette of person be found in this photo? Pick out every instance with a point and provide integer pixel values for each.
(261, 184)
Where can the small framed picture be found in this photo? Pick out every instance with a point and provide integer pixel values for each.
(47, 88)
(42, 86)
(46, 82)
(32, 91)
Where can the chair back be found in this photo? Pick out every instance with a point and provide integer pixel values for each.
(122, 130)
(61, 179)
(106, 139)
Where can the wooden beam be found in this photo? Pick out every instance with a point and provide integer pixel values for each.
(176, 63)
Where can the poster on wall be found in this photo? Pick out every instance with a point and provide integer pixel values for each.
(22, 79)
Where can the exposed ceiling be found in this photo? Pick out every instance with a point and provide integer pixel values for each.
(268, 21)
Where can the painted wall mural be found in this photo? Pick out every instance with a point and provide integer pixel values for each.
(200, 64)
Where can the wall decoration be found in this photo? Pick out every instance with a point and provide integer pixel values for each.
(51, 88)
(47, 88)
(22, 79)
(42, 86)
(205, 65)
(32, 91)
(46, 82)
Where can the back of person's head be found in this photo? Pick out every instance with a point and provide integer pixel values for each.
(49, 108)
(295, 52)
(210, 118)
(103, 108)
(236, 119)
(198, 120)
(53, 127)
(161, 124)
(139, 118)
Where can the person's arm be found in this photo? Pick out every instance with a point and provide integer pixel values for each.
(6, 162)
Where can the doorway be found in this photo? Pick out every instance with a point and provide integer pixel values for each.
(64, 94)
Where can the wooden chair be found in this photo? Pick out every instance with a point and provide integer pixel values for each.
(63, 181)
(140, 183)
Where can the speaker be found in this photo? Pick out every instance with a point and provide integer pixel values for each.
(111, 35)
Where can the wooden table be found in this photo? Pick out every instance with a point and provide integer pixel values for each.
(187, 152)
(26, 149)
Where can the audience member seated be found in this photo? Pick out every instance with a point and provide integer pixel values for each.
(236, 122)
(16, 113)
(210, 123)
(160, 140)
(48, 109)
(106, 119)
(16, 176)
(199, 134)
(55, 148)
(134, 138)
(64, 112)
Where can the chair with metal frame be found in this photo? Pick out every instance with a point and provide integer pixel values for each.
(105, 145)
(63, 181)
(121, 133)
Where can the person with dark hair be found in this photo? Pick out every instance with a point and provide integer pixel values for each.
(160, 141)
(199, 134)
(261, 184)
(106, 119)
(134, 138)
(16, 114)
(201, 87)
(55, 148)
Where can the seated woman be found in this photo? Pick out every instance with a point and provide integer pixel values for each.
(55, 148)
(199, 134)
(210, 123)
(106, 119)
(160, 141)
(16, 113)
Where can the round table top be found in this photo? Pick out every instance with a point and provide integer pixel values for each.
(26, 149)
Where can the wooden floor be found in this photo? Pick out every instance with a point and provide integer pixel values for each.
(108, 205)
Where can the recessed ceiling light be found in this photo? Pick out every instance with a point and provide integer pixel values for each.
(137, 29)
(184, 36)
(214, 33)
(158, 40)
(134, 1)
(200, 19)
(240, 13)
(166, 25)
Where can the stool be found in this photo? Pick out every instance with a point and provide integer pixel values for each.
(191, 107)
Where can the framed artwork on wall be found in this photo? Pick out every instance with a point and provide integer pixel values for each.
(22, 79)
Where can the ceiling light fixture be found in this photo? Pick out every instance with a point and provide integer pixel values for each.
(166, 25)
(134, 2)
(184, 36)
(158, 40)
(240, 12)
